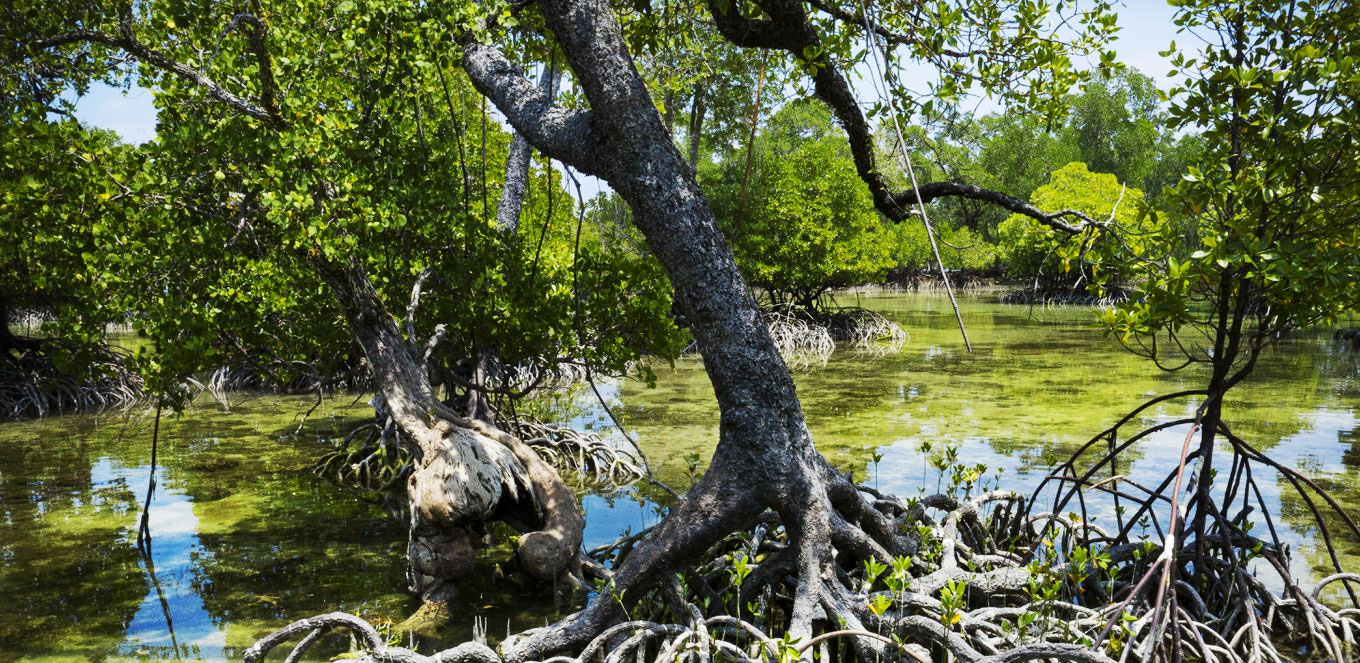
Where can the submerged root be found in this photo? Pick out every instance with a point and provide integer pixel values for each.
(468, 473)
(807, 337)
(287, 377)
(929, 281)
(749, 600)
(34, 382)
(1047, 296)
(848, 573)
(464, 473)
(851, 574)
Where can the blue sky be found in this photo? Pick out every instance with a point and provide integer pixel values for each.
(129, 114)
(1146, 28)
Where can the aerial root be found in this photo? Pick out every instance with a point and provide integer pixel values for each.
(1063, 296)
(929, 281)
(597, 462)
(807, 337)
(374, 461)
(284, 376)
(865, 329)
(801, 342)
(33, 384)
(1198, 590)
(375, 648)
(979, 578)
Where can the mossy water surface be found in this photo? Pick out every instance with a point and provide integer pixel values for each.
(1039, 382)
(245, 538)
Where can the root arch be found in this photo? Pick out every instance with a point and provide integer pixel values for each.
(960, 575)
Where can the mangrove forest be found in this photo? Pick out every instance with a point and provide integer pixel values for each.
(680, 331)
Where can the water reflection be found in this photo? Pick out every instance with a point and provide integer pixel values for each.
(172, 621)
(1040, 382)
(245, 538)
(242, 535)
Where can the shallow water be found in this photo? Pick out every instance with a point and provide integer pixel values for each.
(244, 538)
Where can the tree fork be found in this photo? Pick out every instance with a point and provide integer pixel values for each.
(467, 470)
(623, 140)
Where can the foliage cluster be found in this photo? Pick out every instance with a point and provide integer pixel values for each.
(802, 222)
(208, 239)
(1027, 247)
(1115, 126)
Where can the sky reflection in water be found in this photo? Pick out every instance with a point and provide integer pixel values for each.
(245, 538)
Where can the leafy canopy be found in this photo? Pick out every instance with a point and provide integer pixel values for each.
(375, 151)
(1273, 194)
(1031, 249)
(806, 223)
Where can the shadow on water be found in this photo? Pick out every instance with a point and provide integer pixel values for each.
(245, 538)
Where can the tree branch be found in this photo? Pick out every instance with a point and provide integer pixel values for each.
(933, 190)
(517, 163)
(746, 32)
(128, 43)
(255, 34)
(889, 36)
(563, 134)
(788, 29)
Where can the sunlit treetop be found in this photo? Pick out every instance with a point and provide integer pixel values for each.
(1274, 196)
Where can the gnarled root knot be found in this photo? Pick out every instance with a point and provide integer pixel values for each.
(846, 573)
(470, 472)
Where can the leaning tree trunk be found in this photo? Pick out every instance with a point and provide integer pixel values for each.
(467, 471)
(762, 431)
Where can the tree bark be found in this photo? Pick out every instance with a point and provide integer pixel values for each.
(517, 163)
(669, 118)
(1232, 314)
(762, 430)
(697, 110)
(468, 472)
